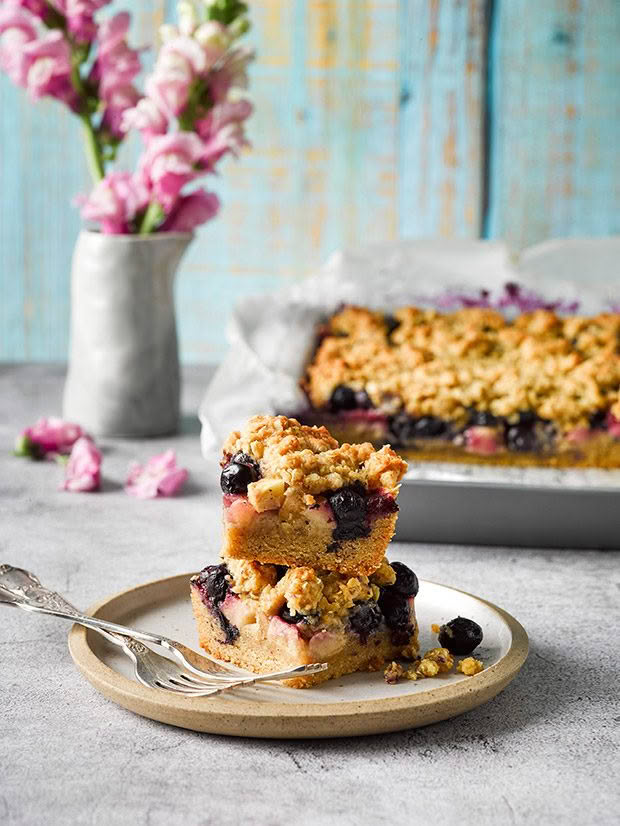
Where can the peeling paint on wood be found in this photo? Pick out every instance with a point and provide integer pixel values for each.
(555, 165)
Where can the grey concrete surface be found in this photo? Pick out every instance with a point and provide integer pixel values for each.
(543, 752)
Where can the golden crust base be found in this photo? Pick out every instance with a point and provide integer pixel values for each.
(302, 543)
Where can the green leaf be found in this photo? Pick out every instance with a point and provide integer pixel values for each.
(225, 11)
(26, 448)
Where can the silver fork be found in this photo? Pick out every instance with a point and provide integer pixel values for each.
(21, 589)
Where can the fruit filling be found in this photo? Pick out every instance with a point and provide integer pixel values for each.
(349, 511)
(310, 611)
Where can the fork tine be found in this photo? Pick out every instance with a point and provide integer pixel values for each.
(169, 685)
(191, 682)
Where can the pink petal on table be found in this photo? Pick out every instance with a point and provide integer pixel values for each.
(83, 471)
(46, 436)
(160, 476)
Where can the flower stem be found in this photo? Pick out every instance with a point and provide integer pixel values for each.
(152, 217)
(94, 155)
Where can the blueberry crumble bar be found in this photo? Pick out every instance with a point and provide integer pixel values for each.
(293, 496)
(541, 389)
(265, 617)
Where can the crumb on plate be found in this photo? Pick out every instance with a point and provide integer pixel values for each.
(470, 666)
(393, 673)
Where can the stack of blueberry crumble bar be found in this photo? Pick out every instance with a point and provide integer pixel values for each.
(303, 576)
(471, 385)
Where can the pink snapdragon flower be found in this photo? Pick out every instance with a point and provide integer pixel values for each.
(214, 40)
(192, 210)
(114, 202)
(168, 163)
(232, 74)
(116, 66)
(80, 15)
(222, 130)
(48, 436)
(16, 30)
(180, 61)
(147, 117)
(39, 8)
(118, 100)
(160, 476)
(83, 471)
(46, 68)
(117, 63)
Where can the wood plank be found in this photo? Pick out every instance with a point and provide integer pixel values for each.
(555, 165)
(442, 94)
(321, 173)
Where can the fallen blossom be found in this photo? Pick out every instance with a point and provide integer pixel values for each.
(83, 470)
(47, 436)
(160, 476)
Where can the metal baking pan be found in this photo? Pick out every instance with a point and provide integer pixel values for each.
(535, 508)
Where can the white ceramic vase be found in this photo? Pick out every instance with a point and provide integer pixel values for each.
(123, 377)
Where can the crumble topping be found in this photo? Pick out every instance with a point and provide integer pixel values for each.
(325, 594)
(384, 575)
(470, 666)
(393, 673)
(435, 661)
(250, 577)
(441, 364)
(441, 657)
(298, 461)
(423, 668)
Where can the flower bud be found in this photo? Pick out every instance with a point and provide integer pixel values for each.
(188, 19)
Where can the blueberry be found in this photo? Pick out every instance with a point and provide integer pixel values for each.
(391, 324)
(380, 503)
(521, 438)
(481, 418)
(213, 585)
(212, 581)
(406, 581)
(363, 400)
(406, 429)
(365, 618)
(231, 632)
(395, 609)
(241, 471)
(429, 427)
(349, 508)
(342, 398)
(291, 618)
(598, 419)
(401, 427)
(460, 635)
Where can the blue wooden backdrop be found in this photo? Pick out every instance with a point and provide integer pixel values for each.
(374, 119)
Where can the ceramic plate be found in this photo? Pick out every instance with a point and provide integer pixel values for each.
(353, 705)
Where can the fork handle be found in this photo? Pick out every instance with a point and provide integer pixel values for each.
(30, 595)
